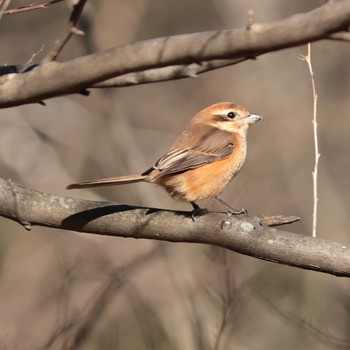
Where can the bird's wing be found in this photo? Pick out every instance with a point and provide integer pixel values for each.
(203, 144)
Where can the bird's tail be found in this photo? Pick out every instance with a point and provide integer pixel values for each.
(109, 181)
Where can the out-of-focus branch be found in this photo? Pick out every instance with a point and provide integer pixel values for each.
(72, 29)
(31, 7)
(56, 79)
(4, 4)
(79, 326)
(243, 234)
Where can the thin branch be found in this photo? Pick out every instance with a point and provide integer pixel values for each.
(4, 4)
(277, 220)
(319, 334)
(250, 19)
(340, 36)
(243, 234)
(35, 54)
(167, 73)
(228, 294)
(31, 7)
(307, 58)
(79, 325)
(72, 29)
(57, 79)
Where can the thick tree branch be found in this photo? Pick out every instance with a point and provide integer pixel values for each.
(242, 234)
(55, 79)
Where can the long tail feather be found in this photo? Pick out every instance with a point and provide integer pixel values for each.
(110, 181)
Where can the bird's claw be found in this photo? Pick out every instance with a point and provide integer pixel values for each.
(197, 210)
(237, 212)
(233, 212)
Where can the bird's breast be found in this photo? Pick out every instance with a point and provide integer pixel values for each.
(207, 181)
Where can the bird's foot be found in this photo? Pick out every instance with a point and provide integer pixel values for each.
(197, 211)
(230, 211)
(236, 212)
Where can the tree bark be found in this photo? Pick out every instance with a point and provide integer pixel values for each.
(243, 234)
(55, 79)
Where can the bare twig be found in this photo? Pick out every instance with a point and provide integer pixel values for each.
(340, 36)
(30, 61)
(229, 295)
(243, 234)
(72, 29)
(4, 4)
(78, 326)
(307, 58)
(277, 220)
(250, 19)
(56, 79)
(31, 7)
(317, 333)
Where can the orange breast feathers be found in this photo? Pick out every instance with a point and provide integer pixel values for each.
(208, 180)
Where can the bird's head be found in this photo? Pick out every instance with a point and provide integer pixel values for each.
(226, 116)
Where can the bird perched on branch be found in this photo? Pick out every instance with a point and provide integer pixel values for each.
(206, 156)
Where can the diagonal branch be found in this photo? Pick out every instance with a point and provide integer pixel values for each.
(72, 29)
(55, 79)
(31, 7)
(242, 234)
(4, 4)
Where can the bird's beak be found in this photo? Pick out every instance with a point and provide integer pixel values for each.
(253, 118)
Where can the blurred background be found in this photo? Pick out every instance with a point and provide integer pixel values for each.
(65, 290)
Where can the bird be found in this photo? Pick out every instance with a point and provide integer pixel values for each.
(203, 160)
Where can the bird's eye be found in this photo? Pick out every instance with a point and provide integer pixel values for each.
(231, 115)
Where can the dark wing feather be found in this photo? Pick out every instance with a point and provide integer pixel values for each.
(210, 144)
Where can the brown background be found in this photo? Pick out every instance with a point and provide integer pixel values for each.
(170, 298)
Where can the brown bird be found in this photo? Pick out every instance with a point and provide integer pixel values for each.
(206, 156)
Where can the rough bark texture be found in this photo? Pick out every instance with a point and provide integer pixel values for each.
(242, 234)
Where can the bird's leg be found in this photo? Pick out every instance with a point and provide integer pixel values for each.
(230, 211)
(197, 210)
(195, 206)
